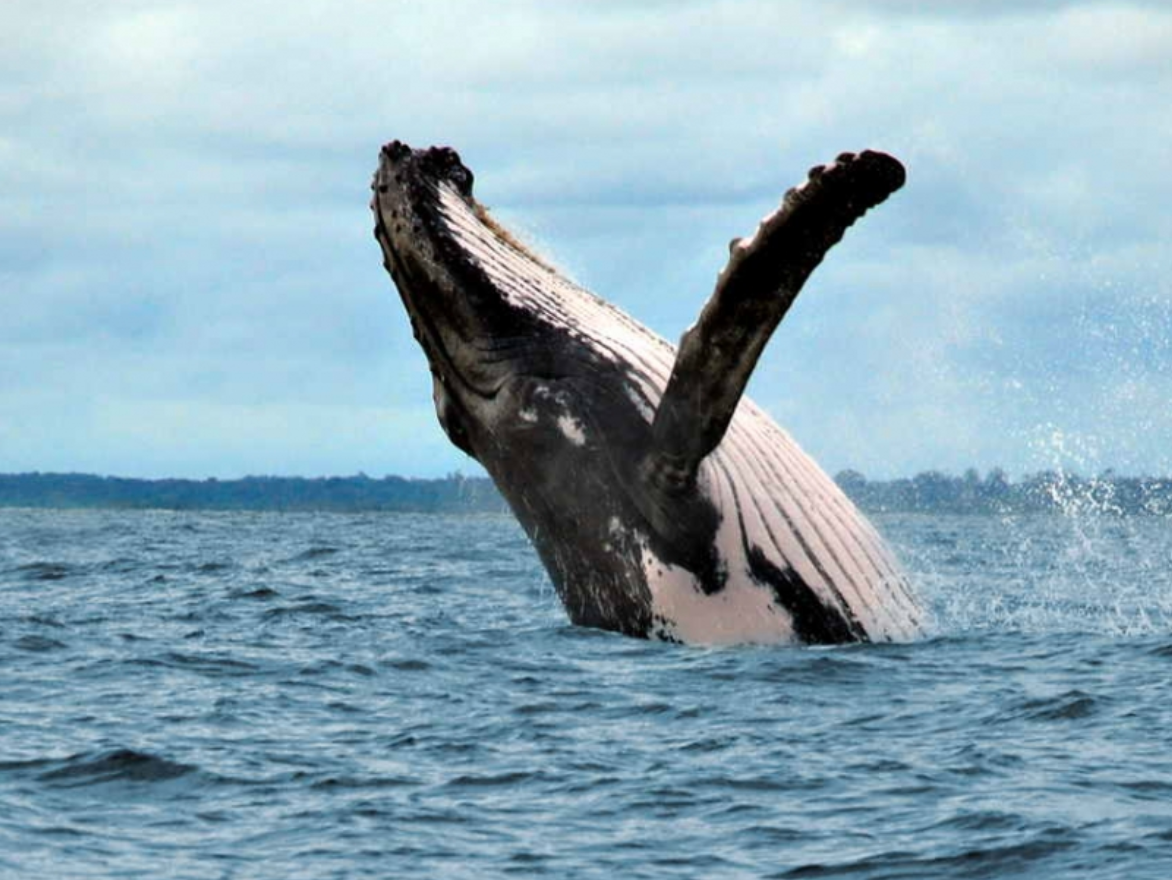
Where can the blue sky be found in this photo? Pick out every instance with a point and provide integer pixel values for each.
(190, 287)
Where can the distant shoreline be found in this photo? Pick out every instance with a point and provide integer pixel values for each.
(455, 493)
(928, 492)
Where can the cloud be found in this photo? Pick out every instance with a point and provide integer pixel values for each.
(184, 226)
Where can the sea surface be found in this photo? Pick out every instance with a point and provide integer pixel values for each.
(263, 695)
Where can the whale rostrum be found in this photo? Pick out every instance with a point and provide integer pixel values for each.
(662, 502)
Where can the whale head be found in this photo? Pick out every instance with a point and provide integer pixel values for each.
(457, 316)
(503, 332)
(552, 389)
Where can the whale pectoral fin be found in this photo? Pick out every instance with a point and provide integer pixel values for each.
(762, 278)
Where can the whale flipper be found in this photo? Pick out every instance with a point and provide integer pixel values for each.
(763, 277)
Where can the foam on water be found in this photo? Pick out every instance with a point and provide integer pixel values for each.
(286, 696)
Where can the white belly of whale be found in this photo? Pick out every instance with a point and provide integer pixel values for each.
(775, 499)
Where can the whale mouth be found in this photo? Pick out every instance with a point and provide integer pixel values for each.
(444, 365)
(428, 264)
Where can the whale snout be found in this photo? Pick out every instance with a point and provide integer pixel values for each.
(400, 164)
(395, 150)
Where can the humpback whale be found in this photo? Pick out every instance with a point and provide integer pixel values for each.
(663, 503)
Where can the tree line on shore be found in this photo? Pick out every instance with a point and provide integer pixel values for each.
(454, 493)
(928, 492)
(1042, 492)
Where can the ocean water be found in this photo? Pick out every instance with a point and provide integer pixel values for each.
(259, 695)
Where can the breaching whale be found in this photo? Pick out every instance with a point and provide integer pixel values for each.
(662, 502)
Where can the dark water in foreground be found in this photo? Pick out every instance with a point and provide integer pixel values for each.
(315, 696)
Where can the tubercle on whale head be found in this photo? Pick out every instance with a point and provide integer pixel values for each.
(438, 163)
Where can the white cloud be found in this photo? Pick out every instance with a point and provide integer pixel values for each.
(183, 223)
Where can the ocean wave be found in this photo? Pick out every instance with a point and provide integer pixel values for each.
(117, 765)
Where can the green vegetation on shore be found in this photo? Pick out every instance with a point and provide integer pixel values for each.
(454, 493)
(1047, 491)
(929, 492)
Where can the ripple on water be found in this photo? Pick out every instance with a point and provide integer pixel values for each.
(44, 571)
(311, 608)
(315, 553)
(37, 644)
(118, 765)
(997, 860)
(1072, 705)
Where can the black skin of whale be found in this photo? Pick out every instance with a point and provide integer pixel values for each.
(503, 374)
